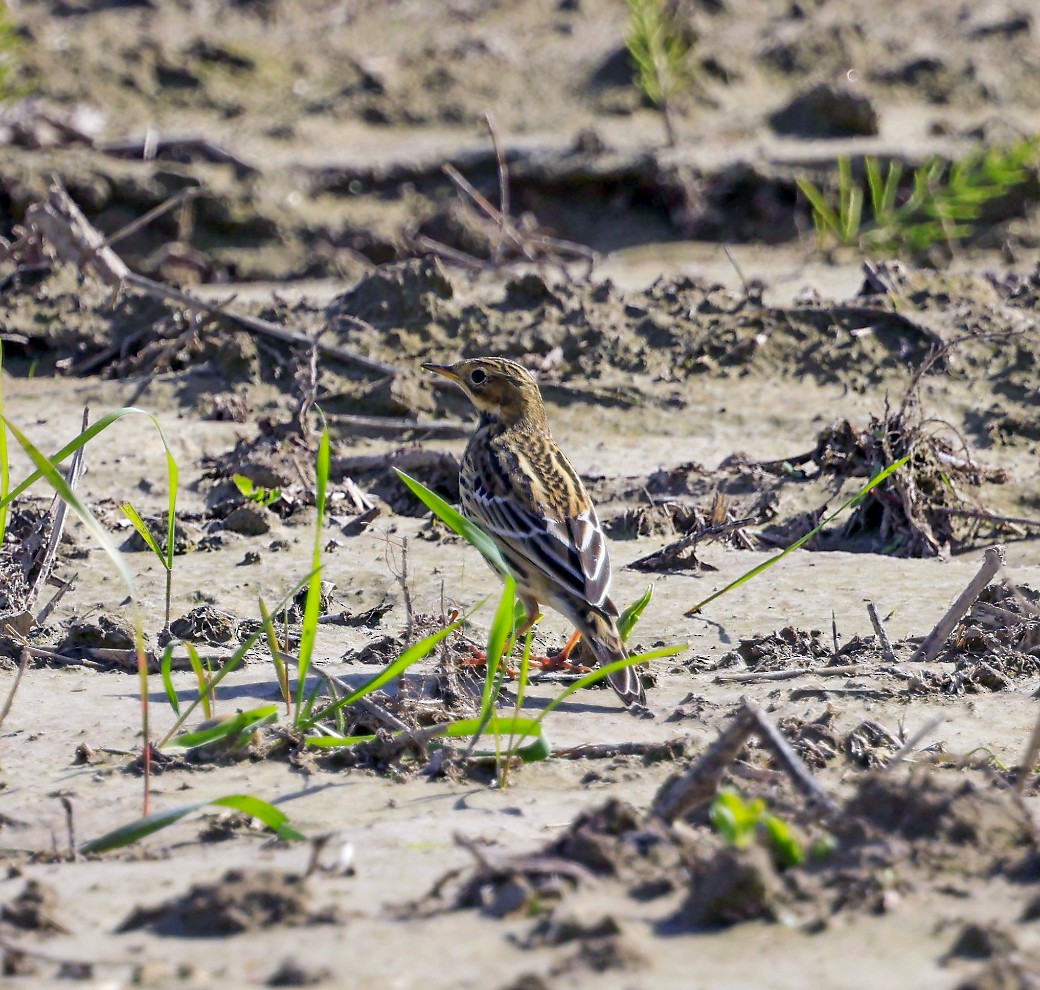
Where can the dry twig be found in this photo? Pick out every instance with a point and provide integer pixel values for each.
(699, 784)
(933, 642)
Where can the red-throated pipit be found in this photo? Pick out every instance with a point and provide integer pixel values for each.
(518, 486)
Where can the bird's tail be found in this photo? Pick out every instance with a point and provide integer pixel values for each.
(602, 635)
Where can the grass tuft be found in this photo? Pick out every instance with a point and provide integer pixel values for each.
(942, 205)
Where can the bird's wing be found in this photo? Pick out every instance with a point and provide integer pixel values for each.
(562, 538)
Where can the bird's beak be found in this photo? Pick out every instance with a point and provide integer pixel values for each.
(442, 369)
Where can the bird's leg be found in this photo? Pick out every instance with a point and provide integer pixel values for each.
(562, 660)
(478, 658)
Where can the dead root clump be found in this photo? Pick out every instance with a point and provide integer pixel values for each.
(241, 901)
(928, 508)
(1002, 626)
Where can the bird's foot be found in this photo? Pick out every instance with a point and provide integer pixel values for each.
(478, 658)
(559, 662)
(562, 660)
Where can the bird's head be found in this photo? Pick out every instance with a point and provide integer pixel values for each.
(502, 390)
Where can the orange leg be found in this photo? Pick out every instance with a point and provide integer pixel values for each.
(562, 660)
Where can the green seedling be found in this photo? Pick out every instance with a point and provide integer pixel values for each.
(208, 683)
(942, 206)
(741, 821)
(662, 50)
(47, 470)
(277, 821)
(312, 605)
(264, 497)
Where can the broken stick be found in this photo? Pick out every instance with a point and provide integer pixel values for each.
(699, 784)
(881, 632)
(933, 642)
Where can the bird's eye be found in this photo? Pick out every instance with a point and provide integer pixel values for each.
(478, 376)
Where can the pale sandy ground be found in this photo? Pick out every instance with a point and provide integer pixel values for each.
(402, 832)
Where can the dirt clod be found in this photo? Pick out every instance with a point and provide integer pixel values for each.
(34, 909)
(240, 902)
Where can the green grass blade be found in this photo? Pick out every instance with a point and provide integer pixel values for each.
(630, 616)
(281, 670)
(597, 675)
(46, 470)
(143, 531)
(200, 675)
(243, 723)
(500, 633)
(519, 727)
(776, 558)
(410, 656)
(336, 742)
(312, 605)
(851, 216)
(876, 186)
(81, 440)
(456, 521)
(823, 214)
(277, 821)
(166, 672)
(891, 190)
(521, 692)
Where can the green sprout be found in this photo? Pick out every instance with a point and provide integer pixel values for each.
(257, 494)
(943, 204)
(661, 48)
(741, 821)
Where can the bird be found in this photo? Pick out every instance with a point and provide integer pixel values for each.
(518, 486)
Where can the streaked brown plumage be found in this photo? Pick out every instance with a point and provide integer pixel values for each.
(518, 486)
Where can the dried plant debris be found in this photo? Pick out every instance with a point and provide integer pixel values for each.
(929, 508)
(783, 647)
(720, 522)
(995, 643)
(1003, 623)
(241, 901)
(819, 741)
